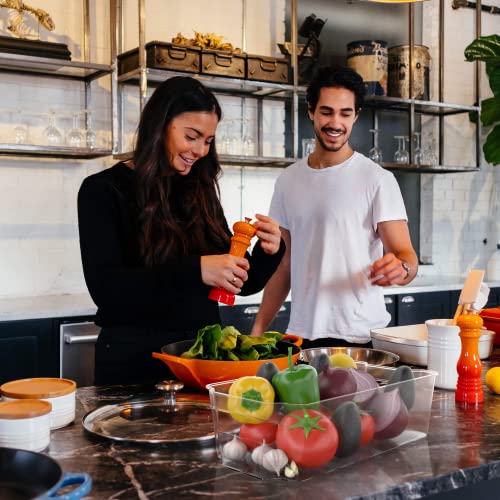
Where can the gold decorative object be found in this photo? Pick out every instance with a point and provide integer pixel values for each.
(209, 41)
(20, 7)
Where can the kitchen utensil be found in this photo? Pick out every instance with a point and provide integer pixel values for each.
(175, 418)
(198, 373)
(374, 357)
(25, 475)
(409, 342)
(59, 392)
(443, 351)
(470, 291)
(240, 241)
(469, 366)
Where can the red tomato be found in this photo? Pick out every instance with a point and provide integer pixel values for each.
(367, 428)
(253, 434)
(308, 437)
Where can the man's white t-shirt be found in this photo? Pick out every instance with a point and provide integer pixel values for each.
(332, 215)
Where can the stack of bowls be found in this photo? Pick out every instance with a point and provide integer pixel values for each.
(25, 424)
(59, 392)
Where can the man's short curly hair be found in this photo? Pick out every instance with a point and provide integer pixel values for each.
(335, 76)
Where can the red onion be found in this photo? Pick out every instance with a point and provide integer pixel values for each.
(366, 385)
(390, 414)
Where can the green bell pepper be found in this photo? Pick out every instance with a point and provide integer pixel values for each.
(297, 385)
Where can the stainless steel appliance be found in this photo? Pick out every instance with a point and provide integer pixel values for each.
(77, 348)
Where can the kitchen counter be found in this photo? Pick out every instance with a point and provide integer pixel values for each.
(461, 449)
(67, 305)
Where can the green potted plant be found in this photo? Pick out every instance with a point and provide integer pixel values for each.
(487, 49)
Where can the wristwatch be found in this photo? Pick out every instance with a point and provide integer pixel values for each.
(406, 267)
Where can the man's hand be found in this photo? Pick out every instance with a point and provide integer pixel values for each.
(388, 271)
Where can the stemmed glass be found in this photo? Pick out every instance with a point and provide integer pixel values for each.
(247, 142)
(90, 135)
(401, 155)
(418, 153)
(51, 133)
(375, 153)
(430, 152)
(20, 131)
(75, 138)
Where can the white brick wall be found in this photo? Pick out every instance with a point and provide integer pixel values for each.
(39, 251)
(459, 211)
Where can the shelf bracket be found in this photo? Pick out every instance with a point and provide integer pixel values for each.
(490, 9)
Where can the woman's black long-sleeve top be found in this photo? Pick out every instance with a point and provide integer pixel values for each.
(170, 296)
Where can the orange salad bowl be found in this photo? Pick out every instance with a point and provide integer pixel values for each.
(198, 373)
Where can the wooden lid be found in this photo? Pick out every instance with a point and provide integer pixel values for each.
(24, 408)
(36, 388)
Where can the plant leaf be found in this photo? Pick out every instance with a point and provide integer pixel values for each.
(493, 72)
(490, 111)
(484, 48)
(491, 147)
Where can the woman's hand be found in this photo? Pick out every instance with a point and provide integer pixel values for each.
(225, 271)
(268, 232)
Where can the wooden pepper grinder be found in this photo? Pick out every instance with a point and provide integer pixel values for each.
(240, 241)
(469, 366)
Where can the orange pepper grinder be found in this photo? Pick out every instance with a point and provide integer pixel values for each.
(240, 241)
(469, 366)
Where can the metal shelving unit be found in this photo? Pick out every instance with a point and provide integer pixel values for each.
(81, 71)
(292, 93)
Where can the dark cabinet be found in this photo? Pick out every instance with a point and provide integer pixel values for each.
(243, 316)
(416, 308)
(28, 348)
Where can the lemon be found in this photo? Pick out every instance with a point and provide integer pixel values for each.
(492, 379)
(343, 360)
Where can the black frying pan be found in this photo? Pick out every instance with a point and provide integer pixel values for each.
(26, 475)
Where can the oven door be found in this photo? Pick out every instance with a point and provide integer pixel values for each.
(77, 341)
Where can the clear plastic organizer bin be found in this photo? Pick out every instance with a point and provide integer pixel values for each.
(420, 390)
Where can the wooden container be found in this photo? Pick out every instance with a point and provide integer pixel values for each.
(220, 63)
(267, 69)
(59, 392)
(25, 424)
(162, 55)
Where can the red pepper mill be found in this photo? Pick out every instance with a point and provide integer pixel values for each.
(240, 241)
(469, 366)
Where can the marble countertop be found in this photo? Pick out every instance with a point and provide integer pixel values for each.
(462, 448)
(68, 305)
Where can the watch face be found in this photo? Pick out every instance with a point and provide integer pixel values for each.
(406, 267)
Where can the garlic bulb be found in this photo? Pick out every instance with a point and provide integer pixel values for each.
(234, 450)
(259, 452)
(274, 461)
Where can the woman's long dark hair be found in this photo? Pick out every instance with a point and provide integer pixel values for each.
(178, 215)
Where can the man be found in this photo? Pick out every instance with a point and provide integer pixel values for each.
(338, 212)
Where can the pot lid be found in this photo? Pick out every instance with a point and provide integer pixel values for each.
(24, 408)
(492, 313)
(36, 388)
(174, 418)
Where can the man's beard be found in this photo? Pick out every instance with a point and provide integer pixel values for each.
(333, 149)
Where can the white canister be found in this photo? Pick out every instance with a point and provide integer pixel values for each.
(59, 392)
(443, 351)
(25, 424)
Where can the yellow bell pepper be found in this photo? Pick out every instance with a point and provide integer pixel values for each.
(251, 400)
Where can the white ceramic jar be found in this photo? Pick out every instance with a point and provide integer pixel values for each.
(443, 351)
(59, 392)
(25, 424)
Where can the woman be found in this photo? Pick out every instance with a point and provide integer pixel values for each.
(154, 238)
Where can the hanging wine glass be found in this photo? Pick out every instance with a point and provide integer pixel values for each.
(20, 130)
(375, 153)
(247, 142)
(75, 138)
(52, 134)
(401, 155)
(418, 153)
(90, 135)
